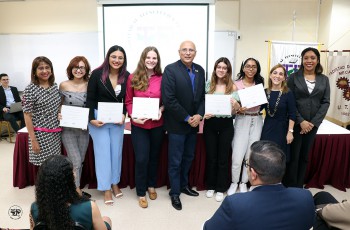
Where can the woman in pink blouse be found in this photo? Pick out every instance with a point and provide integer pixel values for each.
(146, 134)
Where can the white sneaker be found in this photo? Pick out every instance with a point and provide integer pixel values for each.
(243, 187)
(219, 196)
(209, 193)
(232, 189)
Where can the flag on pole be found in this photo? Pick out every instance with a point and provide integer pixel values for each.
(339, 80)
(288, 54)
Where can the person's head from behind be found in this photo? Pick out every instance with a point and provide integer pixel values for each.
(266, 164)
(42, 71)
(310, 61)
(4, 80)
(55, 190)
(78, 67)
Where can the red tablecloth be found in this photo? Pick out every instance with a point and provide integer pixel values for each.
(24, 173)
(329, 163)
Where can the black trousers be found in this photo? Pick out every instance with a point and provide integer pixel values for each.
(299, 157)
(147, 144)
(218, 134)
(323, 198)
(13, 118)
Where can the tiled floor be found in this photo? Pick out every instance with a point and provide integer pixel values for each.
(125, 214)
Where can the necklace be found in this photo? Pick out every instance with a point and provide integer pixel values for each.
(277, 102)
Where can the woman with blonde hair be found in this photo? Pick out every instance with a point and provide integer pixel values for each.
(280, 110)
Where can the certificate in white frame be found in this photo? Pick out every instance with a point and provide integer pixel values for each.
(74, 117)
(110, 112)
(216, 104)
(252, 96)
(144, 107)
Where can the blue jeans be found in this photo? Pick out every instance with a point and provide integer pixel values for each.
(108, 146)
(180, 156)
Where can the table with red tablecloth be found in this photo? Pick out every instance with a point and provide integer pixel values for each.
(329, 162)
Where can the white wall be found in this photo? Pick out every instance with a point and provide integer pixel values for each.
(255, 20)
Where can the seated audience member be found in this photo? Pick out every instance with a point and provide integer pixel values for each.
(8, 96)
(330, 213)
(55, 190)
(269, 205)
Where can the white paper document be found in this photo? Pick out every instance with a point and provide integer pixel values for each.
(218, 104)
(252, 96)
(110, 112)
(144, 107)
(74, 117)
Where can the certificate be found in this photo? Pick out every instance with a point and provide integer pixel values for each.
(218, 104)
(74, 117)
(252, 96)
(110, 112)
(144, 107)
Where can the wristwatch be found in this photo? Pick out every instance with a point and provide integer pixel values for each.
(290, 130)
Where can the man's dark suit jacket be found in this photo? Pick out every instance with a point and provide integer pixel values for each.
(310, 107)
(3, 98)
(179, 99)
(270, 207)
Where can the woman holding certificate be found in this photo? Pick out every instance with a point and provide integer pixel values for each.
(41, 103)
(280, 110)
(146, 133)
(107, 84)
(248, 125)
(73, 93)
(218, 131)
(312, 94)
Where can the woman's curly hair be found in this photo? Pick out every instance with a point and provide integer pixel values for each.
(55, 191)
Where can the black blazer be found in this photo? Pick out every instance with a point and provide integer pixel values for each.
(179, 99)
(3, 98)
(310, 107)
(99, 92)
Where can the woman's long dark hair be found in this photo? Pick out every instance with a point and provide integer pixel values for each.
(319, 68)
(257, 77)
(55, 190)
(106, 68)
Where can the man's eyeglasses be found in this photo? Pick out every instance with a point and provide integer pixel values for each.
(5, 79)
(246, 164)
(81, 68)
(191, 51)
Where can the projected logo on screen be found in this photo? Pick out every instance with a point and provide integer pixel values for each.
(143, 28)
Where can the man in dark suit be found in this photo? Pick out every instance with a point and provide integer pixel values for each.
(269, 205)
(183, 92)
(8, 96)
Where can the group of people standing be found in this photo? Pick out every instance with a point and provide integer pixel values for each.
(181, 90)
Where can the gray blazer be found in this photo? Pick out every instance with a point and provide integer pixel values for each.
(310, 107)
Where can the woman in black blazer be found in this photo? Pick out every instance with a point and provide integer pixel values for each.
(108, 84)
(312, 94)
